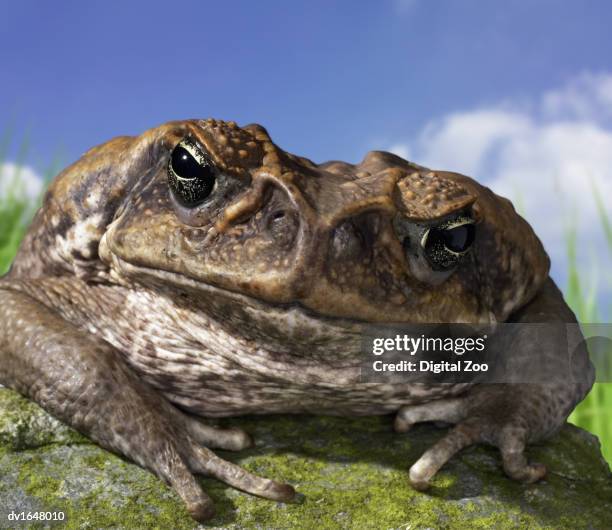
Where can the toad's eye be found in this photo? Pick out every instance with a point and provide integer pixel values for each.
(191, 174)
(447, 243)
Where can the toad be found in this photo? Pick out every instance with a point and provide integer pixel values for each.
(200, 271)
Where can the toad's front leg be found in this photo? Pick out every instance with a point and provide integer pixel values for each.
(509, 416)
(84, 382)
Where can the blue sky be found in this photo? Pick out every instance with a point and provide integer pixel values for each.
(512, 92)
(326, 78)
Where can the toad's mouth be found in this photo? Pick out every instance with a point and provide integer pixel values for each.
(281, 327)
(169, 280)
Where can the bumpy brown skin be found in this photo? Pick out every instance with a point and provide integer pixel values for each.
(125, 311)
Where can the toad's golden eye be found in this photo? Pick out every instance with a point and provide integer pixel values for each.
(191, 174)
(444, 245)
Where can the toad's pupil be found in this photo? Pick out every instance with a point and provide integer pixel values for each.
(459, 238)
(186, 166)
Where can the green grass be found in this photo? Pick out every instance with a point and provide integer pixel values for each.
(593, 414)
(15, 208)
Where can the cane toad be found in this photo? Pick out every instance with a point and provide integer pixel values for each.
(198, 270)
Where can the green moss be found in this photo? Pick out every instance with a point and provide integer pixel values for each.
(23, 425)
(98, 502)
(351, 473)
(363, 497)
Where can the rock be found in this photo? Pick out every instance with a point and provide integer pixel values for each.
(352, 473)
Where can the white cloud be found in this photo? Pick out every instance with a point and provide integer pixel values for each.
(588, 96)
(469, 139)
(24, 177)
(546, 156)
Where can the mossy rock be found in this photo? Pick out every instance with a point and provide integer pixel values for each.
(351, 473)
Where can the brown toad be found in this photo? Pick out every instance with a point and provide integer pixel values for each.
(198, 269)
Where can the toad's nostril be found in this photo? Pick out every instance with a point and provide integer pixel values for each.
(283, 226)
(275, 218)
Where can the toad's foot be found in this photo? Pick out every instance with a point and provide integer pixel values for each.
(85, 382)
(510, 415)
(491, 415)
